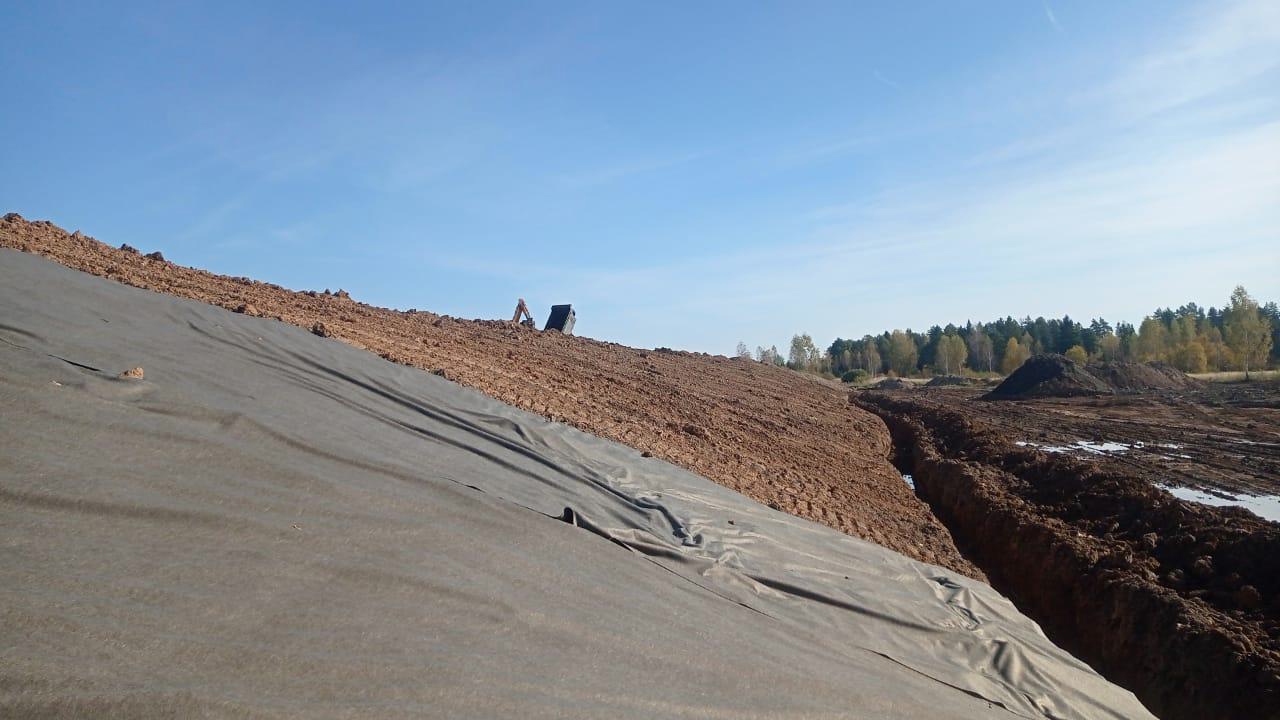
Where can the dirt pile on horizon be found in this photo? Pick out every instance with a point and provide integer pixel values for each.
(1053, 375)
(782, 438)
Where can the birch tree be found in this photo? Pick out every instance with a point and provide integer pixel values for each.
(1248, 332)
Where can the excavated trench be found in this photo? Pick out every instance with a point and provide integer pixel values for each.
(1178, 602)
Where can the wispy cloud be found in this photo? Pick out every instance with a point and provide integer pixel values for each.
(825, 150)
(1053, 19)
(1154, 178)
(880, 78)
(624, 169)
(1226, 47)
(1104, 231)
(1098, 208)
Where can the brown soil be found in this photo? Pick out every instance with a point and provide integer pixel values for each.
(1053, 375)
(1177, 601)
(783, 438)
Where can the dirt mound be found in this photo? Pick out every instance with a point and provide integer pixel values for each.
(1057, 376)
(1049, 375)
(1142, 377)
(893, 384)
(760, 430)
(950, 381)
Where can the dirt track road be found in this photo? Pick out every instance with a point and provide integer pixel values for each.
(780, 437)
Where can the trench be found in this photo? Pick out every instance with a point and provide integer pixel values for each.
(1089, 601)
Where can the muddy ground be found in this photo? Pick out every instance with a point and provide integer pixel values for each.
(782, 438)
(1221, 437)
(1178, 601)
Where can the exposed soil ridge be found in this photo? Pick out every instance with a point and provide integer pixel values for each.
(783, 438)
(1176, 601)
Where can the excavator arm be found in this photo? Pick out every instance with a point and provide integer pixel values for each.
(522, 310)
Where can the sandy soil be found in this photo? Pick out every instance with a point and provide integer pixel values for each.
(785, 439)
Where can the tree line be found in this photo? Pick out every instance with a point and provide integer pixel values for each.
(1242, 336)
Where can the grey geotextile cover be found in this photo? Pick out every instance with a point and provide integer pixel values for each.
(272, 524)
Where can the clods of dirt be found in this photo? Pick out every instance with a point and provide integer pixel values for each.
(695, 431)
(132, 374)
(893, 384)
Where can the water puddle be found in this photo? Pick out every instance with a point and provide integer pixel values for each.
(1242, 441)
(1089, 447)
(1085, 446)
(1264, 506)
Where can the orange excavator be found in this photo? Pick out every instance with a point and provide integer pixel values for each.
(522, 310)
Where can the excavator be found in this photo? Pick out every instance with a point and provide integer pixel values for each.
(523, 310)
(561, 319)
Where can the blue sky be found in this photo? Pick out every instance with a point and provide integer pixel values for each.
(687, 174)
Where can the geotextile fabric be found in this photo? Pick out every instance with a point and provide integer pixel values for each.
(273, 524)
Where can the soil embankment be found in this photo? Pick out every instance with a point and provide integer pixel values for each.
(779, 437)
(1177, 601)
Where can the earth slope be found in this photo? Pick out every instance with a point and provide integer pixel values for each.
(782, 438)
